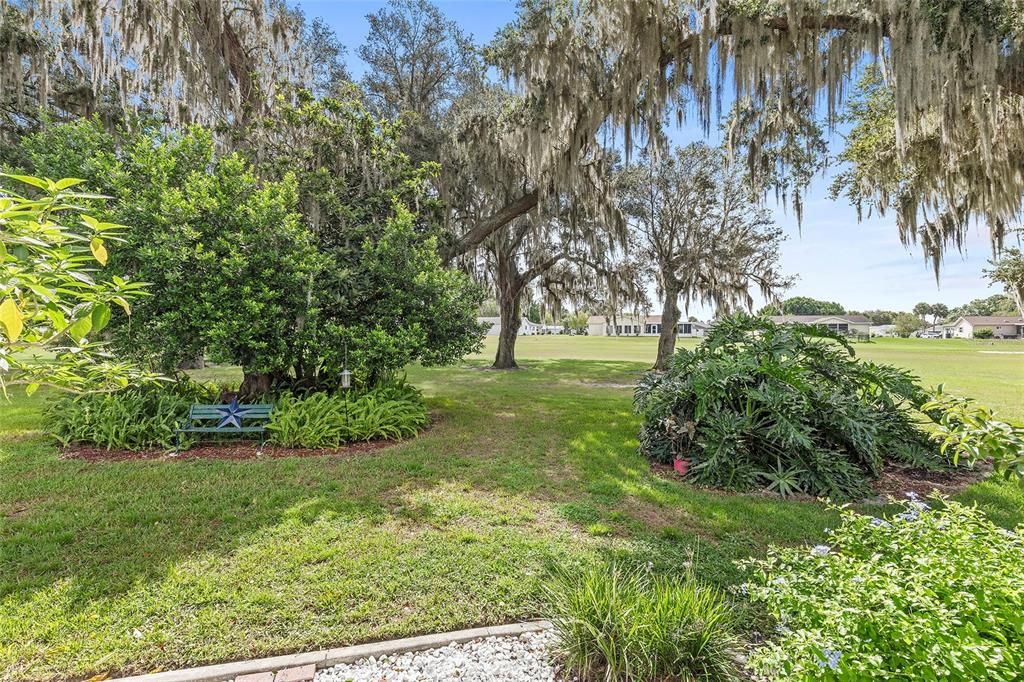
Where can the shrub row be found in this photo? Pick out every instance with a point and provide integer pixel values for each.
(146, 417)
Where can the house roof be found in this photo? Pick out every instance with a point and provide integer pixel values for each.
(818, 319)
(631, 319)
(991, 319)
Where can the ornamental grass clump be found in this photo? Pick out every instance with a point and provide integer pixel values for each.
(785, 408)
(930, 593)
(618, 624)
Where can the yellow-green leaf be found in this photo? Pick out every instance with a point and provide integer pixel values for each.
(10, 318)
(99, 251)
(68, 182)
(81, 328)
(30, 389)
(100, 316)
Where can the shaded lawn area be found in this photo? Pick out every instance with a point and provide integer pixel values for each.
(131, 566)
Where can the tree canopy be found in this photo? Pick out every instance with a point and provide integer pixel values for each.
(955, 68)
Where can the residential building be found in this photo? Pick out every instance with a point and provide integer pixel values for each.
(842, 324)
(643, 325)
(1002, 326)
(526, 328)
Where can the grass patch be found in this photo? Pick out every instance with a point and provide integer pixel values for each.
(124, 567)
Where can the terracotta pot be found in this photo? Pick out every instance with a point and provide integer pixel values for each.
(681, 466)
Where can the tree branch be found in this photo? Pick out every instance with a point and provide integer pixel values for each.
(491, 224)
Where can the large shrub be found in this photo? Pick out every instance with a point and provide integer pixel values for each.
(784, 407)
(130, 419)
(318, 252)
(625, 625)
(927, 594)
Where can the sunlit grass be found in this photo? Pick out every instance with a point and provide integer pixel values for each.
(126, 567)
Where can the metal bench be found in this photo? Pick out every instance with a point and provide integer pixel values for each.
(230, 419)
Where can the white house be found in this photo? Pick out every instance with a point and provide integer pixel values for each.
(1003, 327)
(841, 324)
(884, 330)
(632, 325)
(526, 328)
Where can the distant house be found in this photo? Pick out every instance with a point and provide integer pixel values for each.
(526, 328)
(632, 325)
(841, 324)
(1003, 327)
(883, 330)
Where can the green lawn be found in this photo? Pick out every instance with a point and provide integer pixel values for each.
(128, 567)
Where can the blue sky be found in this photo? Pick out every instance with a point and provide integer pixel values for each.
(860, 264)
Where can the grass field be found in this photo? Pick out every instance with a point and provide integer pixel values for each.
(129, 567)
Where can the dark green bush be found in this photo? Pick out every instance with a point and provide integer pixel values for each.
(983, 333)
(131, 419)
(788, 408)
(624, 625)
(320, 420)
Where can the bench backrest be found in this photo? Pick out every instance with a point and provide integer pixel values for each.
(256, 412)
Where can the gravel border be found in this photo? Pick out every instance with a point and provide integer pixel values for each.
(326, 658)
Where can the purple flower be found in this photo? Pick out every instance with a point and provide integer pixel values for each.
(911, 495)
(831, 659)
(880, 523)
(820, 550)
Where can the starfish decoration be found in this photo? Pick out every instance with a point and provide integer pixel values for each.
(232, 414)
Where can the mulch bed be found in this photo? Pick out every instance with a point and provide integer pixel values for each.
(895, 481)
(241, 450)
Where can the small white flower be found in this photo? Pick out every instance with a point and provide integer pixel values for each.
(820, 550)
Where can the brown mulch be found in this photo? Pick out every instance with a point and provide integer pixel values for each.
(241, 450)
(898, 479)
(895, 481)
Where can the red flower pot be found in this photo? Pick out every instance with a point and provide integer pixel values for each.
(681, 466)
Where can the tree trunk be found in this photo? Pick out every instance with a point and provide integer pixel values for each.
(669, 329)
(511, 314)
(256, 384)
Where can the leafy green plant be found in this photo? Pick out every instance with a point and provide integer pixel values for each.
(789, 408)
(926, 594)
(973, 433)
(53, 303)
(623, 624)
(321, 420)
(316, 420)
(983, 333)
(131, 419)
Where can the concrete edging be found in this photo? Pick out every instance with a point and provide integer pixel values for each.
(326, 658)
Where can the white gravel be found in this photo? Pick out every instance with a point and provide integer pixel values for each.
(526, 658)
